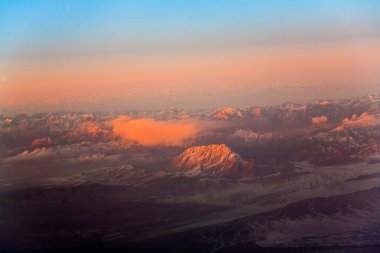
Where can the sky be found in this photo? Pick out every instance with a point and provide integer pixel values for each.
(112, 55)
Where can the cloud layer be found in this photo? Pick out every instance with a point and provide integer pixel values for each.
(319, 119)
(149, 132)
(364, 119)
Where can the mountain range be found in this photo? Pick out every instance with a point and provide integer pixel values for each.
(292, 176)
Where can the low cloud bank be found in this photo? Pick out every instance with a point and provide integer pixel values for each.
(249, 135)
(149, 132)
(319, 119)
(364, 119)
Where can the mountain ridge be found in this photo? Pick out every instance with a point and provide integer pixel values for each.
(216, 160)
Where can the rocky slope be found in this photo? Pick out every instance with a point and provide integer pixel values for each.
(216, 160)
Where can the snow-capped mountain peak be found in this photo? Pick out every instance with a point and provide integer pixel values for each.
(217, 160)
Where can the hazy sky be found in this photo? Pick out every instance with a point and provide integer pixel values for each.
(111, 55)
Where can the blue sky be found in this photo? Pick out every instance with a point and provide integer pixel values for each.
(49, 22)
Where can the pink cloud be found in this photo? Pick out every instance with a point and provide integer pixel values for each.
(319, 119)
(364, 119)
(149, 132)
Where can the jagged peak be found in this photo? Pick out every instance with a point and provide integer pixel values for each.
(215, 159)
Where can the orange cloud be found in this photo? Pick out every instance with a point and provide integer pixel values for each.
(149, 132)
(364, 119)
(319, 119)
